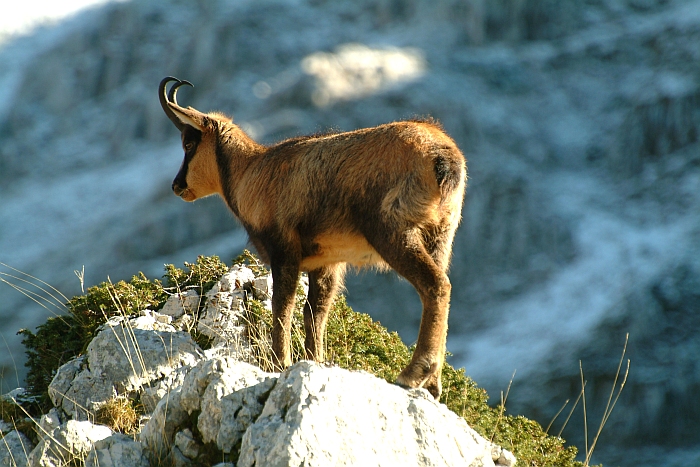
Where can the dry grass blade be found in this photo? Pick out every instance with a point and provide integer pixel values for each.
(585, 412)
(502, 409)
(611, 403)
(81, 277)
(557, 415)
(43, 283)
(119, 414)
(571, 412)
(44, 298)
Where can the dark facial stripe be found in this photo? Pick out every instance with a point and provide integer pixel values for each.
(193, 137)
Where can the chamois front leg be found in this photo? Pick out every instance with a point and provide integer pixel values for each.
(285, 277)
(323, 286)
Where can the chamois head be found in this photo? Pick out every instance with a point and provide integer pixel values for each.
(198, 176)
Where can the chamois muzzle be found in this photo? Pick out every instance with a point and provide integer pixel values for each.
(177, 188)
(169, 98)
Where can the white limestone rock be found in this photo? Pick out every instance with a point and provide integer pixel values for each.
(68, 443)
(226, 395)
(310, 415)
(117, 450)
(15, 449)
(87, 392)
(224, 309)
(235, 278)
(187, 450)
(142, 353)
(216, 378)
(17, 395)
(61, 382)
(234, 413)
(50, 421)
(148, 320)
(262, 287)
(78, 391)
(132, 357)
(168, 418)
(152, 393)
(178, 459)
(186, 444)
(319, 416)
(181, 303)
(159, 317)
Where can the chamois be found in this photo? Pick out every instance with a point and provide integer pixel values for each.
(388, 197)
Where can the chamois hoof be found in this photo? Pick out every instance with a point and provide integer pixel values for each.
(402, 386)
(434, 386)
(435, 390)
(421, 375)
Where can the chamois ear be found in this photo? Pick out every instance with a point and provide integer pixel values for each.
(189, 117)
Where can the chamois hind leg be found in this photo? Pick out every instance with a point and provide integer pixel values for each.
(405, 252)
(285, 277)
(438, 242)
(323, 286)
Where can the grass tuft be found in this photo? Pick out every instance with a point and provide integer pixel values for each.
(121, 414)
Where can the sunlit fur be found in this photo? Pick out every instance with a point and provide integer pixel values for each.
(388, 197)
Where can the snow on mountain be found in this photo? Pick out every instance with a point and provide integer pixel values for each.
(580, 121)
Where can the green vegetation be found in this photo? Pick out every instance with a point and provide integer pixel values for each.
(353, 341)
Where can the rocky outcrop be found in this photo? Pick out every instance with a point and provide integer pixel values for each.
(204, 407)
(357, 419)
(309, 414)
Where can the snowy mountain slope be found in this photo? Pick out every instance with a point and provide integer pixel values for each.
(580, 121)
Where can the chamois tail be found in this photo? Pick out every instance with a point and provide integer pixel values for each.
(449, 170)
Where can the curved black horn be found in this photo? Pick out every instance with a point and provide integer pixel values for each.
(165, 102)
(172, 95)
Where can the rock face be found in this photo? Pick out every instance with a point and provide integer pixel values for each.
(224, 305)
(125, 356)
(357, 419)
(310, 415)
(14, 449)
(117, 450)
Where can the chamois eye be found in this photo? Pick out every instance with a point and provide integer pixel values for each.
(189, 146)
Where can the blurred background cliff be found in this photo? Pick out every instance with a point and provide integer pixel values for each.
(580, 120)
